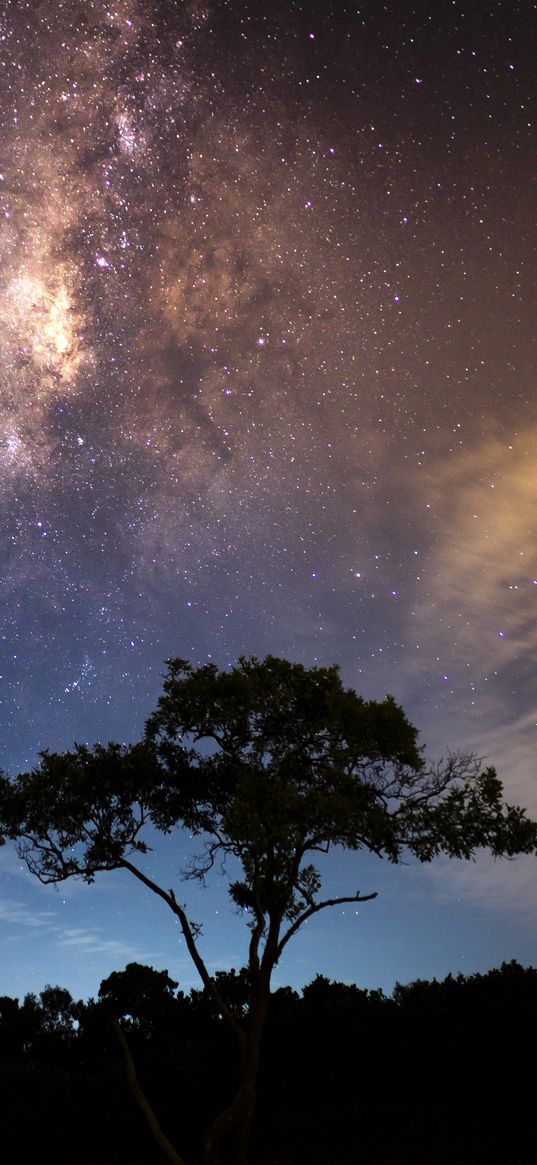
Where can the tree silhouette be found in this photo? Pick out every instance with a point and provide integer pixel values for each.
(331, 1085)
(144, 997)
(270, 763)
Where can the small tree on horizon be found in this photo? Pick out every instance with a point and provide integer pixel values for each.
(270, 763)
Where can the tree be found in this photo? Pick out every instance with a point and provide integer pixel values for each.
(270, 763)
(145, 998)
(59, 1010)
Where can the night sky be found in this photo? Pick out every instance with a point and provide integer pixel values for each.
(267, 299)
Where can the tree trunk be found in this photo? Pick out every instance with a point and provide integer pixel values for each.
(228, 1138)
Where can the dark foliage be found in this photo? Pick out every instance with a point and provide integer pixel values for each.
(437, 1072)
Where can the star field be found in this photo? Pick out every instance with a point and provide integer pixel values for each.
(267, 294)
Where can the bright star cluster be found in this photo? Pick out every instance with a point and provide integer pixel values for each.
(267, 304)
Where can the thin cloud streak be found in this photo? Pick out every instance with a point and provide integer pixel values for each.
(17, 914)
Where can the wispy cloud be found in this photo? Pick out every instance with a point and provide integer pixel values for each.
(483, 571)
(86, 940)
(18, 914)
(91, 941)
(477, 607)
(474, 629)
(501, 886)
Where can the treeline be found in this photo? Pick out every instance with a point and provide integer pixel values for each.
(436, 1072)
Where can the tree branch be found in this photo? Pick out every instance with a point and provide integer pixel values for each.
(142, 1101)
(315, 910)
(169, 898)
(257, 929)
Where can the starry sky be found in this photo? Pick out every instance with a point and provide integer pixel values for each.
(267, 297)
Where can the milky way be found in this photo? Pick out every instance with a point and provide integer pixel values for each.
(266, 316)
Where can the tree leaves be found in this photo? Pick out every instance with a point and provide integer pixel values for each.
(271, 761)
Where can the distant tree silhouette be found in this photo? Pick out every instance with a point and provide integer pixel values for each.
(437, 1072)
(19, 1026)
(59, 1010)
(270, 763)
(139, 994)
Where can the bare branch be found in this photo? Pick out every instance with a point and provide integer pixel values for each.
(319, 849)
(142, 1101)
(315, 908)
(169, 898)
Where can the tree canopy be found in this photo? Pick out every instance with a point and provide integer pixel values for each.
(270, 764)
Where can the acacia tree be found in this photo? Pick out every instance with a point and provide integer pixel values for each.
(271, 764)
